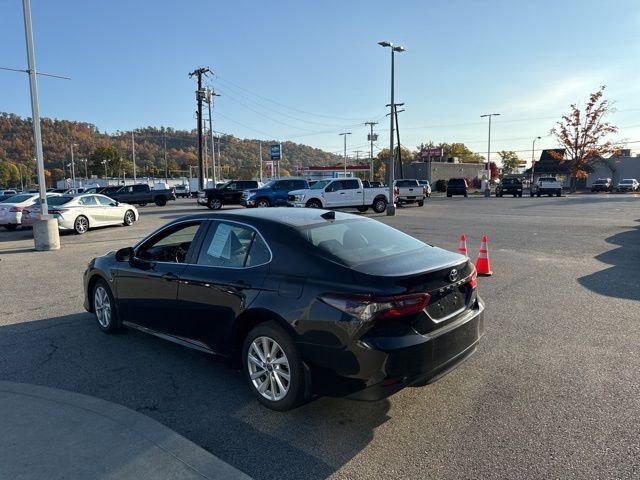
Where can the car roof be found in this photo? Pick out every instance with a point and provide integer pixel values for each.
(294, 217)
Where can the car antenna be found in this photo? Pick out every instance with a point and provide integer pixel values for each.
(330, 215)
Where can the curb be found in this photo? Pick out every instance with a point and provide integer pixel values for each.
(178, 450)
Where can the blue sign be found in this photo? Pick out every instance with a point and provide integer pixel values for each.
(275, 152)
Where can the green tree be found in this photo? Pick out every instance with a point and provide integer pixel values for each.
(510, 161)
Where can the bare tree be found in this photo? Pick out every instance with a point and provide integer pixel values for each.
(583, 134)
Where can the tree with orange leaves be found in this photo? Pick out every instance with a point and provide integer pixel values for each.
(583, 134)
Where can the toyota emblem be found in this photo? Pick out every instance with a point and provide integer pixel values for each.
(453, 275)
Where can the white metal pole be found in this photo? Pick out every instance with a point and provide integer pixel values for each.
(261, 161)
(133, 155)
(73, 170)
(213, 143)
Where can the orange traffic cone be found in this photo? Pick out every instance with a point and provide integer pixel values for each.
(462, 246)
(482, 262)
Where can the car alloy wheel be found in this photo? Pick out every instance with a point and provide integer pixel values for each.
(379, 206)
(215, 204)
(269, 369)
(314, 204)
(102, 306)
(262, 203)
(81, 225)
(129, 218)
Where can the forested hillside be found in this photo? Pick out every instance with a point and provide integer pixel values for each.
(238, 157)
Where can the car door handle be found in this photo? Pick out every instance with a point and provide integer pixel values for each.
(170, 276)
(342, 193)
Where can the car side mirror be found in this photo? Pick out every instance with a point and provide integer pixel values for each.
(125, 254)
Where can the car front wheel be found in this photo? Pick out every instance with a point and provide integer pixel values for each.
(104, 307)
(380, 205)
(263, 203)
(129, 218)
(313, 203)
(81, 225)
(214, 203)
(273, 367)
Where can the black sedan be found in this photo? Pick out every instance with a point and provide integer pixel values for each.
(310, 302)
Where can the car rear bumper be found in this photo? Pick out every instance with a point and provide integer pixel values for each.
(11, 218)
(376, 368)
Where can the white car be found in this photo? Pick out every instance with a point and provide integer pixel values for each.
(11, 209)
(82, 212)
(627, 185)
(341, 193)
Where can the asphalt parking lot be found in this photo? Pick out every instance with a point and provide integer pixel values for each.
(553, 391)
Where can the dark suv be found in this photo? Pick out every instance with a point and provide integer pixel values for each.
(228, 194)
(509, 186)
(602, 185)
(457, 186)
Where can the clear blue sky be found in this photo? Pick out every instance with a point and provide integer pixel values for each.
(525, 59)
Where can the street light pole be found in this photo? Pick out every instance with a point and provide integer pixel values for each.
(391, 207)
(133, 156)
(487, 191)
(45, 230)
(73, 167)
(533, 162)
(345, 151)
(371, 124)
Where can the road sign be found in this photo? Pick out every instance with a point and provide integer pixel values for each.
(373, 137)
(275, 152)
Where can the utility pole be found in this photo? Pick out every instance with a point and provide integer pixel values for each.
(344, 135)
(199, 73)
(206, 161)
(211, 94)
(396, 112)
(371, 139)
(166, 165)
(133, 155)
(487, 191)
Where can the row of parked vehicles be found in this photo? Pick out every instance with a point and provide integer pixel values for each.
(624, 185)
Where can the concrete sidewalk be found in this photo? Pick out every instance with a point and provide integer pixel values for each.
(55, 434)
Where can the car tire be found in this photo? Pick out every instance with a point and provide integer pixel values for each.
(142, 204)
(263, 203)
(129, 218)
(266, 375)
(362, 209)
(161, 201)
(314, 203)
(214, 203)
(379, 205)
(81, 225)
(421, 203)
(104, 307)
(10, 226)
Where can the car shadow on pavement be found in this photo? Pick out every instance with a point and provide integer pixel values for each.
(622, 279)
(199, 397)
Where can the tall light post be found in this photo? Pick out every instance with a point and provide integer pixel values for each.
(73, 167)
(487, 191)
(86, 172)
(133, 157)
(391, 207)
(533, 162)
(345, 151)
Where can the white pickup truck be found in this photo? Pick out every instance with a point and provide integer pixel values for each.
(409, 191)
(341, 193)
(546, 186)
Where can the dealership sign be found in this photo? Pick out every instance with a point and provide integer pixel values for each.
(275, 152)
(431, 152)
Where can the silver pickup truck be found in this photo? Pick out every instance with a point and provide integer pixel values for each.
(546, 186)
(409, 191)
(341, 193)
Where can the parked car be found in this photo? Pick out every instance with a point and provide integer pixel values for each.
(426, 185)
(341, 193)
(141, 194)
(230, 193)
(311, 302)
(457, 186)
(32, 212)
(11, 209)
(509, 186)
(627, 185)
(183, 191)
(546, 186)
(409, 191)
(6, 193)
(602, 185)
(273, 194)
(82, 212)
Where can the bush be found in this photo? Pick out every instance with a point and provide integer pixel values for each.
(441, 185)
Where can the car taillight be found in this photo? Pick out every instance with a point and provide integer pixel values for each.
(424, 190)
(473, 283)
(370, 307)
(396, 191)
(15, 209)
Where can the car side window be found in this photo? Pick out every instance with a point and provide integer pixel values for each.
(334, 186)
(351, 184)
(171, 245)
(104, 201)
(231, 245)
(139, 189)
(88, 201)
(232, 186)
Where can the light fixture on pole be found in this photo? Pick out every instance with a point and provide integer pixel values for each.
(73, 167)
(391, 207)
(487, 191)
(345, 151)
(533, 162)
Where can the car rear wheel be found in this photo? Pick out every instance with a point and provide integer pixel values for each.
(214, 203)
(129, 218)
(379, 205)
(81, 225)
(104, 308)
(263, 203)
(314, 203)
(161, 201)
(421, 203)
(273, 367)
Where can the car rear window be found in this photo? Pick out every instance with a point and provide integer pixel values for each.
(355, 242)
(53, 201)
(457, 181)
(510, 181)
(406, 183)
(17, 198)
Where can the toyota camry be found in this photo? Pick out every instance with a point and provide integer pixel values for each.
(308, 302)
